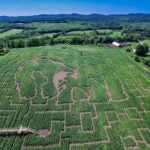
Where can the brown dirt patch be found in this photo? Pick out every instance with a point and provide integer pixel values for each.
(34, 61)
(59, 76)
(43, 133)
(20, 68)
(75, 74)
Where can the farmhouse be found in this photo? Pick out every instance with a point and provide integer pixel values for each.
(116, 44)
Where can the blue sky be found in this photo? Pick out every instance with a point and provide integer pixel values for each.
(32, 7)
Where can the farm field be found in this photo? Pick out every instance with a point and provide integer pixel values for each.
(112, 33)
(75, 98)
(10, 32)
(89, 33)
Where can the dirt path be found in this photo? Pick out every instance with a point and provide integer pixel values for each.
(59, 77)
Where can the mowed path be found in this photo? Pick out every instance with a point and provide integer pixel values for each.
(99, 100)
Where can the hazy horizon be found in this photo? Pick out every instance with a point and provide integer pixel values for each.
(37, 7)
(71, 14)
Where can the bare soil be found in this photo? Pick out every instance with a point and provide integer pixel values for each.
(75, 74)
(43, 133)
(59, 76)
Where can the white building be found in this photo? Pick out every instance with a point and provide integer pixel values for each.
(116, 44)
(134, 50)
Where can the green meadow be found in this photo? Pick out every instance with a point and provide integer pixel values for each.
(10, 32)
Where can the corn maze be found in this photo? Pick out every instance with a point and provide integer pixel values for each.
(99, 100)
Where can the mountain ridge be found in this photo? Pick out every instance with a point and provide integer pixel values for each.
(74, 16)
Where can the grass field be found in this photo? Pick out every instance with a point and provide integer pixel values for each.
(147, 42)
(100, 101)
(10, 32)
(107, 31)
(44, 35)
(135, 44)
(110, 32)
(116, 34)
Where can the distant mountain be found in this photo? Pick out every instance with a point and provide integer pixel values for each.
(79, 17)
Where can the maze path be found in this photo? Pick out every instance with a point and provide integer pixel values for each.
(78, 120)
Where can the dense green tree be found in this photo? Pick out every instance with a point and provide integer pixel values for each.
(95, 33)
(107, 40)
(16, 43)
(128, 50)
(21, 43)
(77, 40)
(137, 59)
(142, 50)
(1, 44)
(147, 62)
(2, 52)
(34, 42)
(51, 42)
(146, 48)
(13, 44)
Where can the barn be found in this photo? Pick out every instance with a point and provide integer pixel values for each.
(116, 44)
